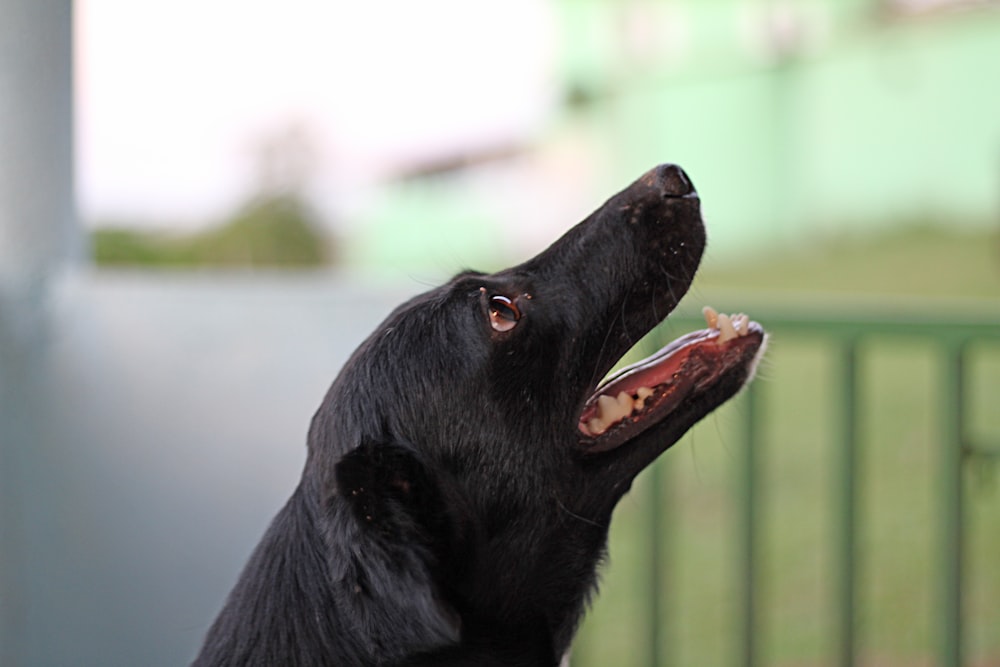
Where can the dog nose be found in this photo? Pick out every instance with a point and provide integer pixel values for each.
(673, 181)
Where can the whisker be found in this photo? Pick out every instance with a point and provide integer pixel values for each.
(576, 516)
(594, 377)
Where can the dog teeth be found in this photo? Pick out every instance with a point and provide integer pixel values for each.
(729, 326)
(727, 331)
(641, 394)
(596, 426)
(625, 403)
(611, 410)
(711, 317)
(742, 324)
(607, 408)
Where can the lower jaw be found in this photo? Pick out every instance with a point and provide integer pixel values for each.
(681, 373)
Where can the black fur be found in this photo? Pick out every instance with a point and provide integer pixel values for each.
(447, 513)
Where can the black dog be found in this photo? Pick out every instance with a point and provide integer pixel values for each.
(463, 468)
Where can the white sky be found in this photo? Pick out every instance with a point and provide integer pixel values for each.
(173, 95)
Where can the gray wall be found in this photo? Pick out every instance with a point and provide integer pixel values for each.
(151, 427)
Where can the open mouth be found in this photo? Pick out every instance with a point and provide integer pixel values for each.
(643, 394)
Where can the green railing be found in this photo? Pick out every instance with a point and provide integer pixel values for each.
(847, 329)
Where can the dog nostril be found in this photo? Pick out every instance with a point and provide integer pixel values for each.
(673, 181)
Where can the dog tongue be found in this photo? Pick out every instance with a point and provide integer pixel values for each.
(658, 368)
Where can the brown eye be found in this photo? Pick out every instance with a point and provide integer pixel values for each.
(503, 313)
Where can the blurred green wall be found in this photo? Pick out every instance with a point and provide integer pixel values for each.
(798, 121)
(795, 118)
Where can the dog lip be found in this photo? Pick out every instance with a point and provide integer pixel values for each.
(678, 372)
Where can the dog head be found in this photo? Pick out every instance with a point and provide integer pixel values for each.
(473, 420)
(497, 373)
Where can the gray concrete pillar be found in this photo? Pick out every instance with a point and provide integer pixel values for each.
(38, 228)
(39, 237)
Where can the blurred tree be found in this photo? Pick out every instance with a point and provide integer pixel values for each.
(275, 231)
(275, 228)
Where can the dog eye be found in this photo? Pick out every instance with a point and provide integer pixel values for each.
(503, 313)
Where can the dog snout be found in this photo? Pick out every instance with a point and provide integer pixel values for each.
(673, 182)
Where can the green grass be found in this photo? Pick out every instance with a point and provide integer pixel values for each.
(899, 450)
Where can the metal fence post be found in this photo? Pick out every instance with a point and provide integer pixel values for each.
(847, 527)
(952, 533)
(658, 529)
(748, 528)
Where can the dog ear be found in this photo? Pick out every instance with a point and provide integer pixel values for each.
(375, 478)
(397, 495)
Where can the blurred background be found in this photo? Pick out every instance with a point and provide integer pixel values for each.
(204, 208)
